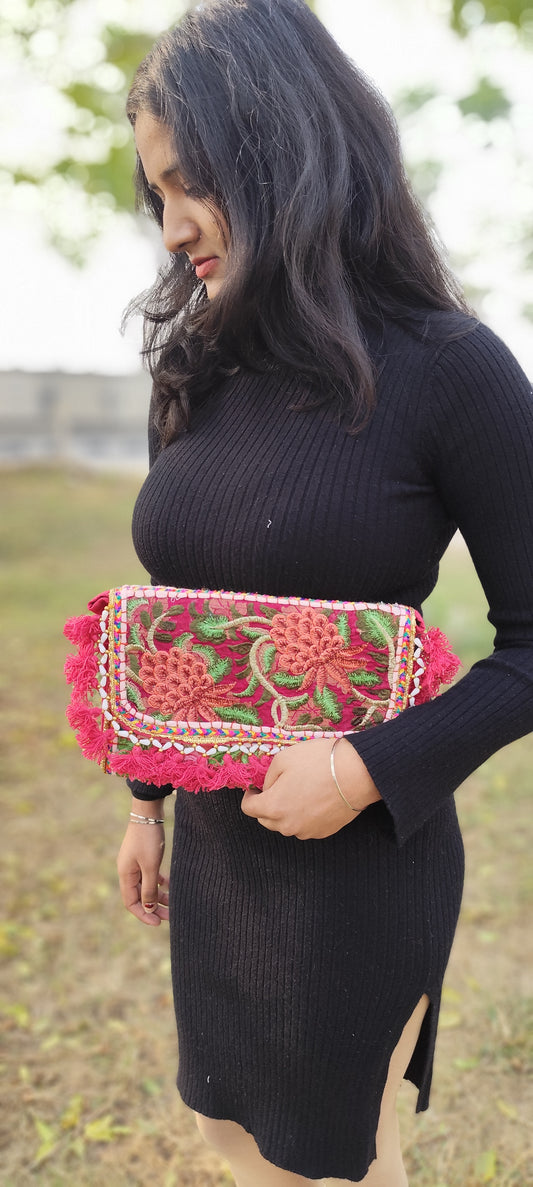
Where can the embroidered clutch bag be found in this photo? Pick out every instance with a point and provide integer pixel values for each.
(200, 688)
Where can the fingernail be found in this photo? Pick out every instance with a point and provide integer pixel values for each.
(149, 906)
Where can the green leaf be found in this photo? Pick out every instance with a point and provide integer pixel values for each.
(488, 101)
(165, 625)
(162, 636)
(207, 653)
(486, 1166)
(365, 679)
(264, 699)
(343, 627)
(268, 655)
(133, 695)
(182, 640)
(328, 702)
(219, 669)
(145, 619)
(211, 627)
(375, 626)
(252, 632)
(125, 745)
(252, 687)
(157, 609)
(286, 680)
(135, 635)
(103, 1130)
(306, 719)
(297, 702)
(133, 661)
(133, 603)
(268, 611)
(245, 714)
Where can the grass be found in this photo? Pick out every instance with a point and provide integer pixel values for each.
(88, 1043)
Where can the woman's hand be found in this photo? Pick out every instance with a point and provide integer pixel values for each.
(138, 865)
(299, 796)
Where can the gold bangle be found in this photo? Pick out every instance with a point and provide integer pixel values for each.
(335, 780)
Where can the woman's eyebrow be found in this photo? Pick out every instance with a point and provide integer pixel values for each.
(171, 171)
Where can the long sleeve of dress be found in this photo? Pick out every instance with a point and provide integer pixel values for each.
(478, 441)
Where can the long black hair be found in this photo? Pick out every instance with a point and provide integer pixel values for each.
(277, 129)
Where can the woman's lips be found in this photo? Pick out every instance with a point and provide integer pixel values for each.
(205, 267)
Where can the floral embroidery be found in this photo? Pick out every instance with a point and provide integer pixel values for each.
(178, 683)
(308, 643)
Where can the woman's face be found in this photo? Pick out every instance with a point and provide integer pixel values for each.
(188, 225)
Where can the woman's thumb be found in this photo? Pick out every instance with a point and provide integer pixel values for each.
(149, 897)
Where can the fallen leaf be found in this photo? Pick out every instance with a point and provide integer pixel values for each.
(485, 1168)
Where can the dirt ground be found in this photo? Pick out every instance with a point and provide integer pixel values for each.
(88, 1048)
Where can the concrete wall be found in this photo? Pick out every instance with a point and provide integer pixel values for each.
(92, 419)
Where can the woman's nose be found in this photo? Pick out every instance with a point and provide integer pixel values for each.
(178, 230)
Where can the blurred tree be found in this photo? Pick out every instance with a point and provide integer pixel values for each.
(71, 62)
(468, 13)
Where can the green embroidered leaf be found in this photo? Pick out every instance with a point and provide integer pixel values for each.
(375, 626)
(163, 636)
(328, 702)
(364, 679)
(268, 611)
(182, 640)
(132, 604)
(145, 619)
(211, 627)
(252, 632)
(343, 628)
(307, 719)
(286, 680)
(133, 695)
(245, 714)
(133, 661)
(124, 745)
(268, 655)
(161, 716)
(157, 609)
(166, 625)
(252, 687)
(208, 653)
(297, 702)
(135, 635)
(264, 699)
(219, 669)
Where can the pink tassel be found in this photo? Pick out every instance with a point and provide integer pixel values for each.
(198, 775)
(84, 629)
(86, 720)
(82, 671)
(441, 664)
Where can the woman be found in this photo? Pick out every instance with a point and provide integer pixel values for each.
(326, 413)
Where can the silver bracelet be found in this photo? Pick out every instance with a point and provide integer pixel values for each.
(336, 781)
(145, 819)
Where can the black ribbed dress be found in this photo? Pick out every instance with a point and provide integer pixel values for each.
(296, 964)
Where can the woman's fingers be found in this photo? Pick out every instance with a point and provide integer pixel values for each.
(143, 888)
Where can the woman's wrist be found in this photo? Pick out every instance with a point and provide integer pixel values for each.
(149, 808)
(358, 787)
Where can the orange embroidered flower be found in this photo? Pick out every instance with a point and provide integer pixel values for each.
(179, 683)
(307, 642)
